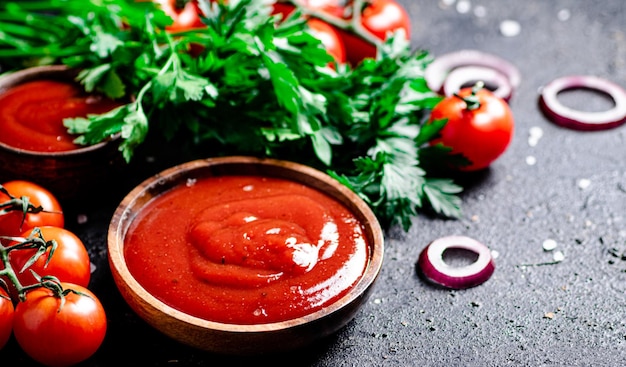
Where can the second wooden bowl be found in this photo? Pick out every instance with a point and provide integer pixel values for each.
(67, 174)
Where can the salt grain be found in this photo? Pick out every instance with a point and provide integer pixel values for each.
(563, 15)
(584, 183)
(82, 219)
(534, 135)
(463, 6)
(549, 245)
(480, 11)
(558, 256)
(510, 28)
(530, 160)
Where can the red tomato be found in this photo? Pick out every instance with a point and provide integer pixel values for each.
(69, 263)
(334, 7)
(326, 33)
(481, 134)
(282, 8)
(56, 334)
(10, 224)
(188, 17)
(381, 18)
(329, 38)
(6, 317)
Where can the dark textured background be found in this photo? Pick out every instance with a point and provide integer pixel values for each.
(512, 207)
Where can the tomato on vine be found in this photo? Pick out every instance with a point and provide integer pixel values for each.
(380, 18)
(479, 125)
(185, 15)
(327, 34)
(330, 39)
(41, 207)
(59, 324)
(359, 34)
(69, 262)
(6, 317)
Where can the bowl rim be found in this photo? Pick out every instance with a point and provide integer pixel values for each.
(121, 221)
(14, 78)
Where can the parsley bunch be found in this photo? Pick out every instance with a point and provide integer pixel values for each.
(247, 84)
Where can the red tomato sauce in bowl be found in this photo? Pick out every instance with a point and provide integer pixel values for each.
(246, 249)
(32, 113)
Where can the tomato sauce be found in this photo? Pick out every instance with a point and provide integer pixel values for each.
(246, 249)
(32, 113)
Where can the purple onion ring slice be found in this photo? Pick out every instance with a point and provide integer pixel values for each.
(437, 71)
(461, 76)
(581, 120)
(436, 270)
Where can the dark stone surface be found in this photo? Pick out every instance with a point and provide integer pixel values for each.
(566, 314)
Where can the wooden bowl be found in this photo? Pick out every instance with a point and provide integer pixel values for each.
(235, 338)
(68, 174)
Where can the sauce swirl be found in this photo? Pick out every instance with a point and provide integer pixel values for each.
(246, 249)
(32, 113)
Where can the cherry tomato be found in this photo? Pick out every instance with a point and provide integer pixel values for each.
(60, 334)
(6, 317)
(380, 17)
(334, 7)
(11, 223)
(282, 8)
(329, 38)
(326, 33)
(186, 18)
(69, 263)
(481, 132)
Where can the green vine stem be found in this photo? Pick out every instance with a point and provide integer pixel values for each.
(34, 241)
(353, 24)
(54, 284)
(22, 204)
(471, 101)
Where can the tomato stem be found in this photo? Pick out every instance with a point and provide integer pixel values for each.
(34, 241)
(472, 102)
(354, 25)
(180, 4)
(14, 203)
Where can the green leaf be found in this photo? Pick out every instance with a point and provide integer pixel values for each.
(179, 86)
(112, 85)
(322, 147)
(104, 44)
(90, 77)
(430, 131)
(134, 130)
(441, 194)
(102, 78)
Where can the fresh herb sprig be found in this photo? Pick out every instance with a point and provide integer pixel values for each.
(248, 84)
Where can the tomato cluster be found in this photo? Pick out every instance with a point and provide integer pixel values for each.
(329, 20)
(45, 271)
(378, 19)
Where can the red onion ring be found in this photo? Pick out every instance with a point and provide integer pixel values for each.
(437, 71)
(437, 271)
(494, 80)
(581, 120)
